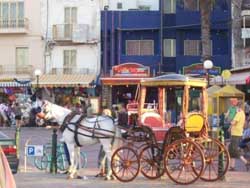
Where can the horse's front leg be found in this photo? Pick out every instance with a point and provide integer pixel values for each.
(107, 149)
(72, 167)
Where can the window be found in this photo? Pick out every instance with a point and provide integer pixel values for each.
(119, 5)
(192, 5)
(69, 61)
(11, 14)
(192, 48)
(140, 47)
(70, 18)
(169, 6)
(169, 46)
(22, 59)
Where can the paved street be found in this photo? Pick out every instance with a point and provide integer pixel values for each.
(34, 178)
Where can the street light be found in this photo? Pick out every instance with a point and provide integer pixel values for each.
(207, 65)
(38, 73)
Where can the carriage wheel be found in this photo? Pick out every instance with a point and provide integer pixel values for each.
(184, 161)
(217, 160)
(125, 164)
(151, 162)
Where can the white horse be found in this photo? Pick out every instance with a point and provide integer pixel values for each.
(78, 131)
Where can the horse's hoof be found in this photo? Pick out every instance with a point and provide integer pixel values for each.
(108, 178)
(70, 177)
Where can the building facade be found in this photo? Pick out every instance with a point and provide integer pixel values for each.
(162, 36)
(71, 33)
(21, 47)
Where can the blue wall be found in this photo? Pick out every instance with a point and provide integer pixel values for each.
(119, 26)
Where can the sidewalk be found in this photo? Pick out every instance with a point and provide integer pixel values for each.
(46, 180)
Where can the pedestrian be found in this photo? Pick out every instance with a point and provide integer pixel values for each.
(123, 117)
(229, 116)
(236, 131)
(18, 114)
(89, 110)
(244, 145)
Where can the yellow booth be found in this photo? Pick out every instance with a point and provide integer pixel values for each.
(221, 99)
(210, 91)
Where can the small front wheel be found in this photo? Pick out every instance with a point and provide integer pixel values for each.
(151, 162)
(125, 164)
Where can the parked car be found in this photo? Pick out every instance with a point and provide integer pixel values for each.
(9, 148)
(6, 176)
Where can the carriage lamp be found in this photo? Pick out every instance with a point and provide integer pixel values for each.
(38, 73)
(207, 65)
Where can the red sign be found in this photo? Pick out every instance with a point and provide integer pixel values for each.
(131, 70)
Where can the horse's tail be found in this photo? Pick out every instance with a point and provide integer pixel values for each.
(117, 138)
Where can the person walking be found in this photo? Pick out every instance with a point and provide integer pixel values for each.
(236, 130)
(18, 114)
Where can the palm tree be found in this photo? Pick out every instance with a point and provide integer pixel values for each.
(205, 10)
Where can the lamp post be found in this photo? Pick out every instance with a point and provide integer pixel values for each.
(38, 73)
(207, 65)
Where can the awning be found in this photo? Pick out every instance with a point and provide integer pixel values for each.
(64, 80)
(14, 84)
(238, 78)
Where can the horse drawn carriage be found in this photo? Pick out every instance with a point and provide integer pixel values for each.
(173, 136)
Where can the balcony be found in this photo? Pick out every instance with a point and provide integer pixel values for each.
(16, 71)
(71, 70)
(20, 26)
(75, 33)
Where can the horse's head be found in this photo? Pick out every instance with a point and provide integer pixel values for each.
(44, 111)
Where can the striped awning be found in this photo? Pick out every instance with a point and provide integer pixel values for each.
(14, 84)
(64, 80)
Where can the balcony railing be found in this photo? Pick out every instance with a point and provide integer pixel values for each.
(71, 70)
(14, 26)
(78, 33)
(16, 70)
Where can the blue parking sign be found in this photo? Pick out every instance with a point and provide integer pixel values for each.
(31, 150)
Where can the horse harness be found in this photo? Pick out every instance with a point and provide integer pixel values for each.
(96, 130)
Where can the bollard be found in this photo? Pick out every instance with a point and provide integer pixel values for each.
(17, 140)
(221, 164)
(53, 164)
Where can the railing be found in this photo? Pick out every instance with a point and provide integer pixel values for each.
(71, 32)
(15, 24)
(71, 70)
(12, 69)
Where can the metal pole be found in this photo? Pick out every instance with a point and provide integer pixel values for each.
(37, 82)
(221, 164)
(53, 165)
(17, 140)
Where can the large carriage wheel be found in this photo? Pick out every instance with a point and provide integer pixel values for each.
(125, 164)
(217, 160)
(184, 161)
(151, 162)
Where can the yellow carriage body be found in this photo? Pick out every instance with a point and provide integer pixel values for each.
(192, 122)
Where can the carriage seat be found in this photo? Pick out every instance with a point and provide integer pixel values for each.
(151, 119)
(194, 122)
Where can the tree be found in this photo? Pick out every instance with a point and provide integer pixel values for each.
(205, 10)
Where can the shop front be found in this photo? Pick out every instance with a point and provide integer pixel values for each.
(121, 87)
(66, 90)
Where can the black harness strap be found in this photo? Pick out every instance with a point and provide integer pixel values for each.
(77, 123)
